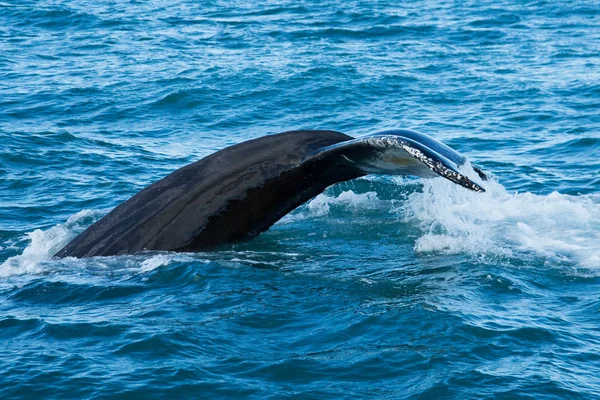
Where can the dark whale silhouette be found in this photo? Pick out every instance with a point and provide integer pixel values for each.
(242, 190)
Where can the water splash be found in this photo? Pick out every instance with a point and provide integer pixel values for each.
(323, 204)
(349, 200)
(45, 243)
(558, 228)
(154, 262)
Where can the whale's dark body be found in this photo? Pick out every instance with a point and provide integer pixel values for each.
(242, 190)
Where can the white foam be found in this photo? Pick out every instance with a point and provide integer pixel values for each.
(152, 263)
(554, 227)
(45, 243)
(321, 205)
(349, 200)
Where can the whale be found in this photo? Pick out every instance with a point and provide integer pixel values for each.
(238, 192)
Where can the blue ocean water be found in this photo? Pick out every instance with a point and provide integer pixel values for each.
(382, 287)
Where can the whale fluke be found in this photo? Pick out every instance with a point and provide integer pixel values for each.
(238, 192)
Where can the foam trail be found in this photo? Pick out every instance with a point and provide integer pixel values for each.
(556, 227)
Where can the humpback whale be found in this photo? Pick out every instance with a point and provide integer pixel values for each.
(240, 191)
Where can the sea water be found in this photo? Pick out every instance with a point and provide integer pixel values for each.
(382, 287)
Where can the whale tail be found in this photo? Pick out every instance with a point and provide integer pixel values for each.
(402, 152)
(242, 190)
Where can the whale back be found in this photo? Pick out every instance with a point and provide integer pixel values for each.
(233, 194)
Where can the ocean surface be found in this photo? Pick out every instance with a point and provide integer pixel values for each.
(382, 287)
